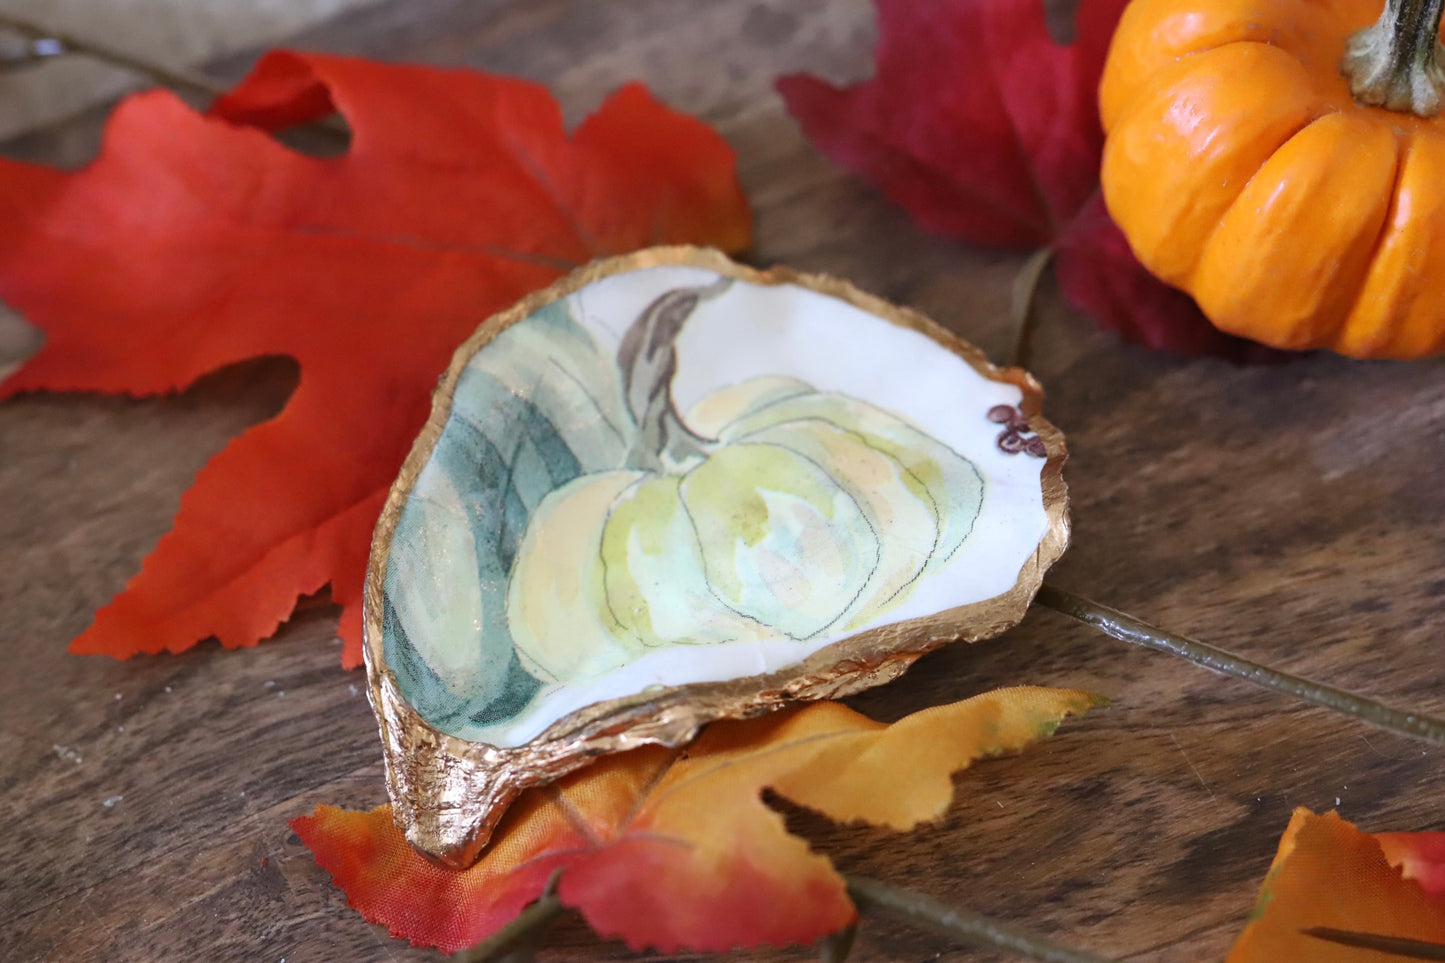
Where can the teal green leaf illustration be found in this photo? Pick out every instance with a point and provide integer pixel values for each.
(539, 407)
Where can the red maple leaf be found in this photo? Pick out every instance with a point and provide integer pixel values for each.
(193, 242)
(986, 130)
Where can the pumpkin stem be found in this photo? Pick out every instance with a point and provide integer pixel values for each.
(648, 358)
(1398, 63)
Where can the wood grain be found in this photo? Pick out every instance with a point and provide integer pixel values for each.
(1292, 513)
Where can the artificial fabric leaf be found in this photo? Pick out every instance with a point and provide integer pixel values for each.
(675, 848)
(987, 130)
(193, 242)
(1328, 874)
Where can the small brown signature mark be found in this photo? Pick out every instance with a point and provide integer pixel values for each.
(1015, 436)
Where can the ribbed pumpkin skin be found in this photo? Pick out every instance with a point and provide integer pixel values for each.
(814, 512)
(1242, 171)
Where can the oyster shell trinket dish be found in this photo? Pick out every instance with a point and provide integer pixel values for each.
(670, 489)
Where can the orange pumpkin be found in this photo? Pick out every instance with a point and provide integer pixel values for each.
(1242, 169)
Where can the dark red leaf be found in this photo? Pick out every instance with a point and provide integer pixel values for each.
(1100, 275)
(987, 130)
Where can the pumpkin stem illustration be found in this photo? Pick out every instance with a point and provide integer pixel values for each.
(648, 358)
(1397, 63)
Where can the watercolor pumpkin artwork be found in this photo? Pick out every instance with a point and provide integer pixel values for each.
(671, 489)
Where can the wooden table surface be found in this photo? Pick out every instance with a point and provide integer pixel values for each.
(1292, 513)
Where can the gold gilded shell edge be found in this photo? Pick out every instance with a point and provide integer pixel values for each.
(448, 794)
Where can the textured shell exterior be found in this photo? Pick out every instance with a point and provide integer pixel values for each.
(1242, 171)
(671, 489)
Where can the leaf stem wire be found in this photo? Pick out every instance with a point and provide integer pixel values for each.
(1394, 945)
(1126, 628)
(332, 127)
(1021, 304)
(967, 927)
(166, 76)
(837, 947)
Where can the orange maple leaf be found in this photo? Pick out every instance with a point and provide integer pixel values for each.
(675, 848)
(1328, 874)
(195, 242)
